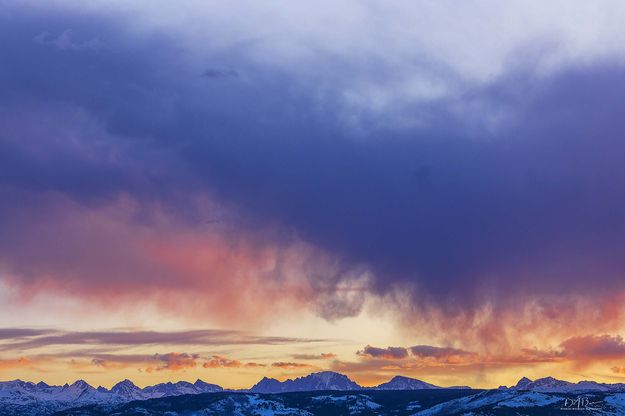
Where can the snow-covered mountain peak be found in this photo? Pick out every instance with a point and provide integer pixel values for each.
(127, 389)
(326, 376)
(80, 384)
(206, 387)
(124, 384)
(553, 385)
(268, 385)
(15, 383)
(405, 383)
(324, 380)
(522, 383)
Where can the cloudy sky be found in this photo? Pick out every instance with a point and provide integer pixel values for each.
(226, 190)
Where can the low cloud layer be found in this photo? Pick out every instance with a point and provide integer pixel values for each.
(218, 361)
(417, 352)
(578, 353)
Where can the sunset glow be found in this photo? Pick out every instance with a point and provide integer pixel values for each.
(231, 190)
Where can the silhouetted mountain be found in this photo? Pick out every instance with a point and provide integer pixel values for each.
(339, 392)
(22, 398)
(267, 385)
(523, 382)
(325, 380)
(405, 383)
(127, 390)
(553, 385)
(206, 387)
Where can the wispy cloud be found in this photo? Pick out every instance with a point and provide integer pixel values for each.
(218, 361)
(90, 361)
(18, 333)
(292, 366)
(26, 339)
(321, 356)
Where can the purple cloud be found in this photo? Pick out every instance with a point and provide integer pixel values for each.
(25, 339)
(425, 351)
(440, 207)
(388, 353)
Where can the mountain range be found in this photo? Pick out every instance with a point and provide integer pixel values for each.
(325, 380)
(553, 385)
(20, 397)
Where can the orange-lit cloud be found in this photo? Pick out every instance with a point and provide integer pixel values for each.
(540, 323)
(254, 365)
(218, 361)
(575, 353)
(594, 347)
(238, 273)
(291, 366)
(483, 252)
(110, 259)
(173, 361)
(157, 362)
(176, 361)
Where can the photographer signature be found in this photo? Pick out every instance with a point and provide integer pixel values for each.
(580, 403)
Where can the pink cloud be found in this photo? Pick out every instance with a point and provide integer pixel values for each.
(107, 256)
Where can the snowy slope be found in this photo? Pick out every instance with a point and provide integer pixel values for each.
(23, 398)
(553, 385)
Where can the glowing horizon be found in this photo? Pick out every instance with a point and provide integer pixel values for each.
(231, 191)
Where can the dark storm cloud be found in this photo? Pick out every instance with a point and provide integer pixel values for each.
(535, 206)
(448, 206)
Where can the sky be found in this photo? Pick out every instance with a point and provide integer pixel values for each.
(232, 190)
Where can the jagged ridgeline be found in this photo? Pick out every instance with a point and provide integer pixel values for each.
(323, 393)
